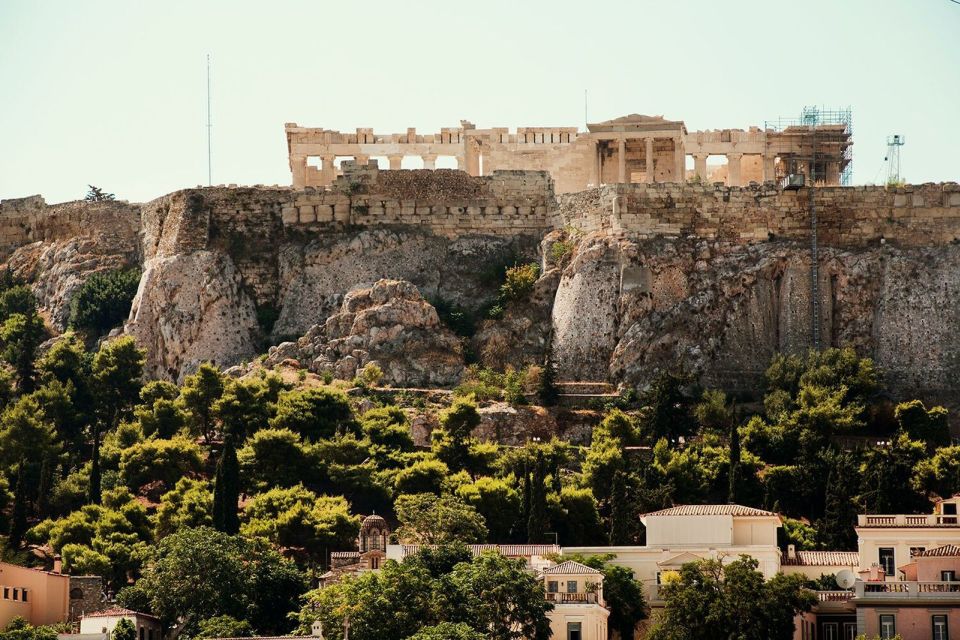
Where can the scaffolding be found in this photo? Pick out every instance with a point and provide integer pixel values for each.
(817, 145)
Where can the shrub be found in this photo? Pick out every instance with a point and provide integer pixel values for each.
(560, 253)
(104, 300)
(519, 281)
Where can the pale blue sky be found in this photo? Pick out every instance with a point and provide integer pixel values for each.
(114, 92)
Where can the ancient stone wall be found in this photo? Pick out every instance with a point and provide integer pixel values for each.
(912, 216)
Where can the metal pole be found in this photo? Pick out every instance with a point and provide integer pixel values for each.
(814, 257)
(209, 130)
(584, 108)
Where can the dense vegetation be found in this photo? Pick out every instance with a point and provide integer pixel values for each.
(213, 504)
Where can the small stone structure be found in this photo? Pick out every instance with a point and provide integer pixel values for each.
(634, 148)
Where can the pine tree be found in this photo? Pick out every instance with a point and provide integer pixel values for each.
(226, 490)
(93, 488)
(619, 510)
(18, 523)
(537, 522)
(836, 529)
(548, 392)
(734, 462)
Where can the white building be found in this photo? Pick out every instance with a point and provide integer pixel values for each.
(576, 592)
(103, 622)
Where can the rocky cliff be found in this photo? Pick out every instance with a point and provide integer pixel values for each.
(712, 279)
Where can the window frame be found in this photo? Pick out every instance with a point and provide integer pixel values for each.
(892, 569)
(893, 626)
(946, 626)
(572, 583)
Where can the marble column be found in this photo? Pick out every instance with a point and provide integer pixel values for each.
(679, 160)
(769, 170)
(621, 161)
(298, 167)
(733, 169)
(651, 164)
(429, 160)
(396, 162)
(700, 166)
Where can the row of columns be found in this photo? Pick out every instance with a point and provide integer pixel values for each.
(622, 160)
(733, 167)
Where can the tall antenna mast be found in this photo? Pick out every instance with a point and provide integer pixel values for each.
(894, 143)
(209, 130)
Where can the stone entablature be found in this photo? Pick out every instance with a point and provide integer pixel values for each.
(631, 149)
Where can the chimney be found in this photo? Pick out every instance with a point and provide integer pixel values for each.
(791, 552)
(57, 564)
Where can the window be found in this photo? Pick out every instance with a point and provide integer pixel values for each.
(886, 560)
(940, 628)
(23, 595)
(571, 586)
(574, 631)
(141, 633)
(6, 593)
(553, 586)
(849, 631)
(950, 509)
(888, 626)
(16, 593)
(948, 576)
(830, 631)
(916, 550)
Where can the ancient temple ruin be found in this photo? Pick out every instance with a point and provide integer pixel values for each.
(630, 149)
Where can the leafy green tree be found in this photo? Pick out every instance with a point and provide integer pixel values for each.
(17, 299)
(117, 372)
(163, 418)
(69, 363)
(497, 502)
(201, 573)
(622, 592)
(451, 441)
(448, 631)
(836, 529)
(199, 393)
(124, 630)
(930, 426)
(387, 429)
(19, 629)
(187, 505)
(548, 392)
(537, 519)
(423, 476)
(21, 335)
(103, 300)
(96, 194)
(669, 410)
(243, 409)
(224, 627)
(162, 462)
(712, 600)
(575, 517)
(226, 489)
(298, 518)
(428, 519)
(274, 458)
(315, 414)
(939, 474)
(886, 474)
(497, 596)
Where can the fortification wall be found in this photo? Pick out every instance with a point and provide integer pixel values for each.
(910, 216)
(30, 219)
(444, 201)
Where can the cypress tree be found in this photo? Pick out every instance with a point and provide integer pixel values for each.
(93, 489)
(734, 462)
(226, 490)
(18, 523)
(619, 510)
(548, 392)
(836, 529)
(537, 522)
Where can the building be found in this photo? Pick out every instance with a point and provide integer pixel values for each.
(633, 148)
(102, 623)
(579, 611)
(372, 543)
(46, 597)
(688, 533)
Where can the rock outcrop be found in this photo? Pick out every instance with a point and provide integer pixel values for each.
(389, 325)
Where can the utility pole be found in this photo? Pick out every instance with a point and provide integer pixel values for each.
(209, 130)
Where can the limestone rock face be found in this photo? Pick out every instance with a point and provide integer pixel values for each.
(388, 324)
(190, 309)
(57, 270)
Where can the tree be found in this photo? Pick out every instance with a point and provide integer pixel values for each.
(103, 300)
(199, 393)
(711, 600)
(226, 489)
(201, 573)
(668, 408)
(428, 519)
(274, 458)
(96, 194)
(496, 596)
(224, 627)
(537, 520)
(734, 467)
(836, 528)
(159, 462)
(163, 418)
(448, 631)
(920, 424)
(296, 518)
(243, 409)
(497, 502)
(116, 371)
(886, 474)
(124, 630)
(187, 505)
(316, 414)
(20, 335)
(423, 476)
(548, 392)
(451, 441)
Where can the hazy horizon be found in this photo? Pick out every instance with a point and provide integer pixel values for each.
(113, 93)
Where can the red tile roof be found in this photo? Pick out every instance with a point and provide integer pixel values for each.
(711, 510)
(116, 612)
(823, 559)
(946, 551)
(509, 550)
(571, 567)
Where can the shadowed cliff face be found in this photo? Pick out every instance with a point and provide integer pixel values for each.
(627, 309)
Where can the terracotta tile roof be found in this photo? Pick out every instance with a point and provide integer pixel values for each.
(710, 510)
(823, 559)
(345, 554)
(946, 551)
(117, 611)
(509, 550)
(570, 566)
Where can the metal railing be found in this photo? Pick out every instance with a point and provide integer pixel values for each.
(907, 589)
(572, 598)
(903, 520)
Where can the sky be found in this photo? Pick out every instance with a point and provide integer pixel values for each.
(114, 93)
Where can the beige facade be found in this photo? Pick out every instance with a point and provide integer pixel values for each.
(103, 622)
(630, 149)
(579, 611)
(40, 597)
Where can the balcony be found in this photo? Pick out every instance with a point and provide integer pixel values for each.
(572, 598)
(885, 591)
(901, 520)
(834, 596)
